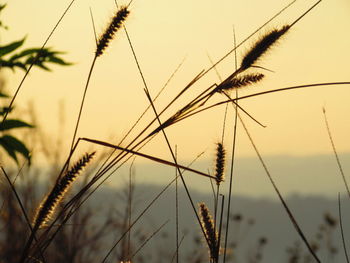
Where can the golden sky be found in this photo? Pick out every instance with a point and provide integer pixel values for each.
(164, 33)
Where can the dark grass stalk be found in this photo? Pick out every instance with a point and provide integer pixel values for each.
(112, 163)
(54, 198)
(78, 196)
(93, 26)
(232, 157)
(307, 11)
(234, 141)
(153, 158)
(102, 44)
(264, 93)
(130, 195)
(176, 212)
(213, 190)
(137, 219)
(335, 152)
(216, 204)
(13, 189)
(75, 200)
(60, 187)
(66, 164)
(82, 102)
(284, 204)
(216, 197)
(225, 114)
(154, 100)
(146, 90)
(139, 119)
(209, 231)
(224, 125)
(120, 156)
(220, 225)
(203, 99)
(148, 239)
(342, 230)
(65, 208)
(195, 104)
(35, 60)
(115, 160)
(13, 183)
(263, 68)
(58, 192)
(178, 247)
(235, 105)
(248, 37)
(231, 82)
(180, 173)
(74, 203)
(259, 49)
(145, 210)
(101, 173)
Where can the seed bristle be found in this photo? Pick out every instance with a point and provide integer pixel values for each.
(220, 163)
(209, 229)
(49, 204)
(239, 82)
(262, 46)
(112, 28)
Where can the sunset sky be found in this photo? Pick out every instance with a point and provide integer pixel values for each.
(165, 33)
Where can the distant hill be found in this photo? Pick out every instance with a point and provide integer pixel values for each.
(306, 175)
(310, 185)
(260, 217)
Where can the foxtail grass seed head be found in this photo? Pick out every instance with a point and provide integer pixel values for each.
(220, 163)
(113, 27)
(262, 46)
(209, 229)
(54, 198)
(239, 82)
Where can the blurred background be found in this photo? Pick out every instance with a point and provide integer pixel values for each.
(295, 143)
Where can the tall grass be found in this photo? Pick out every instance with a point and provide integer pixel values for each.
(58, 208)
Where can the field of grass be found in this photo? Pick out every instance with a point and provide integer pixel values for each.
(224, 108)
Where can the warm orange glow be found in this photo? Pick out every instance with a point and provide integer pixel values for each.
(163, 34)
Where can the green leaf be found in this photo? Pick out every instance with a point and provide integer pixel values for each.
(11, 124)
(3, 110)
(11, 64)
(59, 61)
(42, 66)
(14, 146)
(26, 52)
(11, 152)
(3, 95)
(2, 6)
(11, 47)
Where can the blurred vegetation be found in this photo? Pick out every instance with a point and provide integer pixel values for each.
(13, 56)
